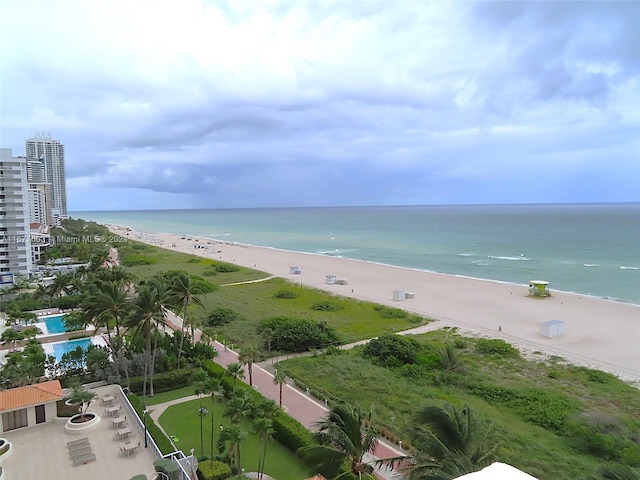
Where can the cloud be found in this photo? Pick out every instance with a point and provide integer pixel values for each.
(326, 103)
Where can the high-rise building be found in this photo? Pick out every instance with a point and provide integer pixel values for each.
(50, 153)
(15, 241)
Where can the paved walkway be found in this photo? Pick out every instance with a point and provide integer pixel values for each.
(303, 408)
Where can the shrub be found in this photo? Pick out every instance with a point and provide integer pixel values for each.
(286, 294)
(496, 347)
(392, 350)
(140, 476)
(327, 306)
(390, 312)
(226, 268)
(68, 301)
(163, 382)
(163, 443)
(221, 316)
(290, 433)
(214, 470)
(297, 334)
(168, 467)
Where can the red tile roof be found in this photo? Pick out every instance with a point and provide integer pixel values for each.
(35, 394)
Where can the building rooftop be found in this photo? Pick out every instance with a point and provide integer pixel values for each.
(35, 394)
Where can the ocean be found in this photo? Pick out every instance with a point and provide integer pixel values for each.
(590, 249)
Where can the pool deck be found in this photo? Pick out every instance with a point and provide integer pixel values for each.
(41, 452)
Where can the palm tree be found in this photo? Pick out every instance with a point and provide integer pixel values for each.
(264, 428)
(60, 285)
(236, 371)
(181, 296)
(249, 354)
(211, 387)
(233, 436)
(106, 306)
(238, 406)
(280, 379)
(446, 444)
(146, 314)
(344, 436)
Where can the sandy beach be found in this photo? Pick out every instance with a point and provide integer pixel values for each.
(599, 333)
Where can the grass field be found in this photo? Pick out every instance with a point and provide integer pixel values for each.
(183, 421)
(353, 320)
(532, 431)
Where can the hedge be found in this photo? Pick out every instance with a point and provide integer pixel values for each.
(165, 381)
(163, 443)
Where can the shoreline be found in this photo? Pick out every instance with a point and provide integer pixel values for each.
(600, 333)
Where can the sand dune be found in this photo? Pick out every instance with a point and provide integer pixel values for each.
(599, 333)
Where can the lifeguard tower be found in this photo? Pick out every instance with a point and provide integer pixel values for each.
(539, 288)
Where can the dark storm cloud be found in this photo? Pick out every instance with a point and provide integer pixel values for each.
(328, 103)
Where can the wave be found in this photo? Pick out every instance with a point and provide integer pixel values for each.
(591, 264)
(521, 258)
(629, 268)
(336, 251)
(465, 254)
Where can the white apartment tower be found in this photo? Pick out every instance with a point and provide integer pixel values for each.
(15, 241)
(50, 153)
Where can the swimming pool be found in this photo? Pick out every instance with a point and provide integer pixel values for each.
(54, 324)
(61, 348)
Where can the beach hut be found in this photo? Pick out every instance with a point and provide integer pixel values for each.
(552, 328)
(398, 295)
(330, 279)
(295, 270)
(539, 288)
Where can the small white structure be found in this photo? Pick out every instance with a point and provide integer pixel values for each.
(295, 270)
(552, 328)
(330, 279)
(409, 295)
(498, 471)
(398, 295)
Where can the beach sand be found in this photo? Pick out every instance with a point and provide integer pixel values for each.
(599, 333)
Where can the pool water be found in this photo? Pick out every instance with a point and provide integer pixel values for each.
(54, 324)
(61, 348)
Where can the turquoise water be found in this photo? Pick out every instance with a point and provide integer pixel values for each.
(55, 324)
(589, 249)
(60, 349)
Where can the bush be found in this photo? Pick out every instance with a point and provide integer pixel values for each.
(226, 268)
(140, 476)
(168, 467)
(286, 294)
(327, 306)
(163, 443)
(390, 312)
(68, 301)
(496, 347)
(165, 381)
(392, 350)
(214, 470)
(221, 316)
(297, 334)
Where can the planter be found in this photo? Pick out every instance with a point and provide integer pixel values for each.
(76, 426)
(6, 449)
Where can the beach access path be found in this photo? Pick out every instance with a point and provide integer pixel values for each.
(599, 333)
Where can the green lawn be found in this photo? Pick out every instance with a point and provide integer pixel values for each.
(183, 421)
(171, 395)
(354, 320)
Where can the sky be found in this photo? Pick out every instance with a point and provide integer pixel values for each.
(229, 104)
